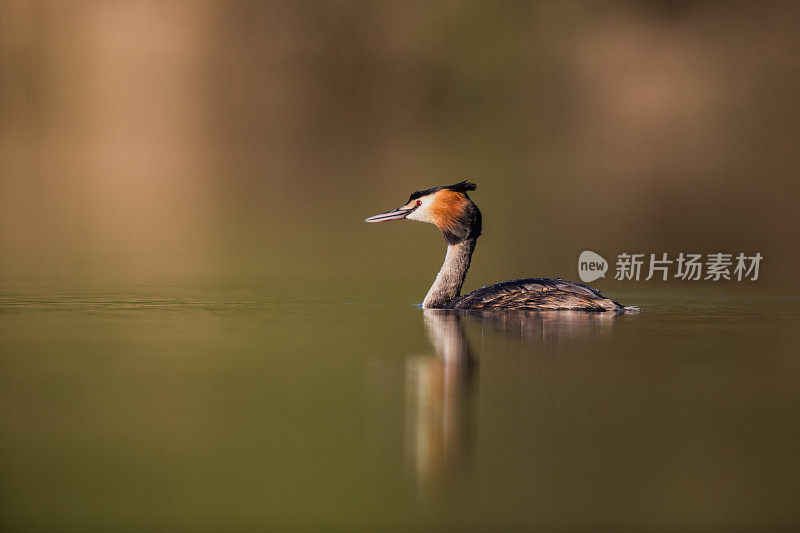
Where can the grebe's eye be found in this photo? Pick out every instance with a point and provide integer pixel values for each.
(419, 203)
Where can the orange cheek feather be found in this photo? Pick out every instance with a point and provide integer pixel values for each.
(446, 207)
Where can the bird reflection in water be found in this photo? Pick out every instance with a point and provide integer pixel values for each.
(441, 391)
(439, 398)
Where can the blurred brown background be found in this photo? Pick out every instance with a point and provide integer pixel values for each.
(248, 140)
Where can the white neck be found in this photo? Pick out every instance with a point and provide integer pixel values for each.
(447, 286)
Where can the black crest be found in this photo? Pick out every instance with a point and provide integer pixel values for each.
(461, 186)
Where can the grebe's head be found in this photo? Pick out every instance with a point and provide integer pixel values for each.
(448, 207)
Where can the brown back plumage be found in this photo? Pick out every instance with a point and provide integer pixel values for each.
(537, 293)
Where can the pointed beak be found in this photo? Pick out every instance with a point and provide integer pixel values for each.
(395, 214)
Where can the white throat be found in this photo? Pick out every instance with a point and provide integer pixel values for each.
(447, 286)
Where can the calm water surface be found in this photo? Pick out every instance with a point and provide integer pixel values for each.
(132, 406)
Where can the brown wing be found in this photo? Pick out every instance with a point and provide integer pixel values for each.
(537, 293)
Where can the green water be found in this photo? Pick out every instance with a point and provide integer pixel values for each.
(130, 406)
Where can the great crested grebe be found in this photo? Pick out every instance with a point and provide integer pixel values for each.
(450, 209)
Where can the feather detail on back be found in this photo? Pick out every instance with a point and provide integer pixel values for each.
(537, 293)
